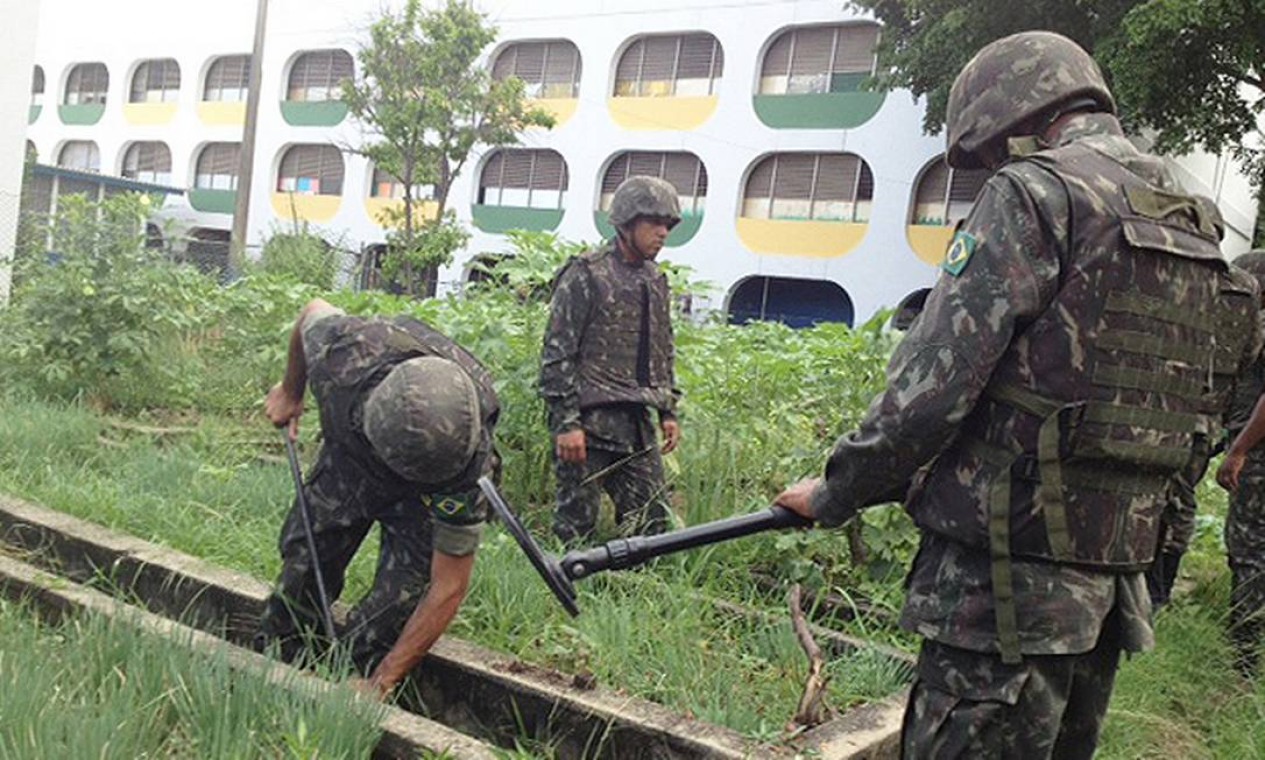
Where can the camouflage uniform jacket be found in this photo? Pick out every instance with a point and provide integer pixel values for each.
(938, 377)
(347, 356)
(608, 350)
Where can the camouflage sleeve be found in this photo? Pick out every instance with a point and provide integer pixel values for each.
(670, 412)
(569, 309)
(937, 373)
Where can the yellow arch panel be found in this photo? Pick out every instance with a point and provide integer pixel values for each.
(814, 239)
(218, 114)
(376, 208)
(929, 242)
(561, 108)
(679, 114)
(308, 208)
(144, 114)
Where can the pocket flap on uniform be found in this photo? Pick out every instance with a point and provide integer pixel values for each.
(974, 676)
(1154, 235)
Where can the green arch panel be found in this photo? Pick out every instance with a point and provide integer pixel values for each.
(506, 218)
(680, 235)
(83, 114)
(322, 113)
(213, 201)
(829, 110)
(33, 114)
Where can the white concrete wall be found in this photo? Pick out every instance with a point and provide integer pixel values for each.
(879, 272)
(16, 59)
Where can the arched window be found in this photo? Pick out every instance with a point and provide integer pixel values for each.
(318, 75)
(385, 186)
(821, 186)
(80, 154)
(684, 171)
(548, 68)
(794, 302)
(311, 170)
(217, 166)
(228, 79)
(670, 65)
(945, 195)
(148, 162)
(524, 178)
(819, 59)
(87, 83)
(37, 86)
(155, 81)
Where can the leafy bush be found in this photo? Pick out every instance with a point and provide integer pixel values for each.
(300, 255)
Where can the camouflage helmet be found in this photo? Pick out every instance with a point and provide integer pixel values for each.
(1011, 80)
(423, 420)
(1253, 262)
(645, 196)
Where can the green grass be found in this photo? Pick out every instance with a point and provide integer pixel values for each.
(89, 687)
(207, 493)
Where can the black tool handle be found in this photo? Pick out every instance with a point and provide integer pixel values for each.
(629, 552)
(327, 615)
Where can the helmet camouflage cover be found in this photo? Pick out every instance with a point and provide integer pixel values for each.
(1253, 262)
(1012, 79)
(423, 420)
(645, 196)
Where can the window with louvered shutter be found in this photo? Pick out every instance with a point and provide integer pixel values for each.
(217, 167)
(228, 79)
(809, 186)
(562, 70)
(384, 185)
(964, 187)
(80, 154)
(819, 59)
(811, 55)
(682, 170)
(317, 75)
(855, 50)
(670, 65)
(87, 83)
(148, 162)
(525, 178)
(311, 170)
(37, 86)
(155, 81)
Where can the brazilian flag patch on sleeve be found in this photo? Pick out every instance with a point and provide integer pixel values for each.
(453, 508)
(960, 251)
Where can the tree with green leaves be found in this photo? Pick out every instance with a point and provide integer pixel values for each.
(1193, 70)
(425, 102)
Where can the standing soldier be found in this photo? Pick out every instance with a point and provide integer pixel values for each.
(607, 362)
(1238, 344)
(1052, 388)
(406, 420)
(1243, 472)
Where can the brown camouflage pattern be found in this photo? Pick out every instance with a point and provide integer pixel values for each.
(967, 705)
(609, 339)
(1012, 80)
(644, 196)
(1238, 344)
(349, 490)
(623, 460)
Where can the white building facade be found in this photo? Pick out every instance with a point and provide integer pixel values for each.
(805, 198)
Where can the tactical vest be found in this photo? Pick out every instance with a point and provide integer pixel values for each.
(401, 339)
(1238, 310)
(626, 351)
(1066, 455)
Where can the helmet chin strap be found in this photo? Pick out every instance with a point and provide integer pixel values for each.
(629, 243)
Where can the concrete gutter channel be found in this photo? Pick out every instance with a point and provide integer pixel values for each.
(466, 688)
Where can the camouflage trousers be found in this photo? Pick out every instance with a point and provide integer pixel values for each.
(344, 504)
(1177, 528)
(634, 481)
(972, 705)
(1245, 550)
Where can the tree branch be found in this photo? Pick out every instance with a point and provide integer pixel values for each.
(813, 709)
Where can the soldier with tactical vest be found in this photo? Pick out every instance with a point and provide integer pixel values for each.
(406, 418)
(607, 365)
(1238, 345)
(1037, 410)
(1243, 473)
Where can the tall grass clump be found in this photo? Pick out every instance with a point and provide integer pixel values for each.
(90, 687)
